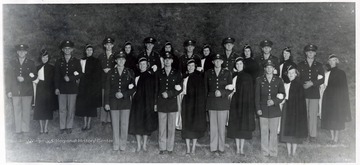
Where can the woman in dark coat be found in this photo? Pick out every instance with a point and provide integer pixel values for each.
(89, 95)
(294, 114)
(193, 112)
(46, 100)
(251, 66)
(206, 60)
(286, 60)
(130, 57)
(242, 107)
(169, 48)
(335, 103)
(143, 118)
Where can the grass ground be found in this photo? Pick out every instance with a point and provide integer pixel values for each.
(96, 146)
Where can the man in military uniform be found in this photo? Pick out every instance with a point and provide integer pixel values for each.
(312, 76)
(21, 73)
(265, 56)
(152, 56)
(217, 88)
(269, 93)
(67, 74)
(189, 46)
(107, 63)
(229, 55)
(168, 86)
(119, 88)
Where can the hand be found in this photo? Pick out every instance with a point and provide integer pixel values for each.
(119, 95)
(270, 103)
(154, 67)
(155, 108)
(20, 78)
(177, 87)
(106, 70)
(66, 78)
(165, 95)
(9, 95)
(199, 69)
(57, 92)
(308, 84)
(107, 107)
(217, 93)
(259, 112)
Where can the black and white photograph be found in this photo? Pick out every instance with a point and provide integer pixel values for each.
(178, 82)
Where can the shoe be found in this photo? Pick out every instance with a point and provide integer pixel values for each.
(83, 128)
(162, 152)
(68, 131)
(312, 139)
(89, 127)
(170, 152)
(62, 131)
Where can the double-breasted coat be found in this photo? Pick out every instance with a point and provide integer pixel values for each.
(106, 62)
(262, 61)
(183, 62)
(153, 59)
(229, 62)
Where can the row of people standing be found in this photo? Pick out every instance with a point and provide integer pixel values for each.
(218, 85)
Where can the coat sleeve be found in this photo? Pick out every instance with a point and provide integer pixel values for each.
(345, 96)
(206, 84)
(10, 77)
(320, 71)
(73, 76)
(281, 90)
(57, 75)
(174, 92)
(226, 92)
(107, 89)
(33, 72)
(131, 91)
(257, 94)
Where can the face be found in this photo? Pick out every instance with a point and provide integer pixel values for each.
(229, 46)
(218, 63)
(310, 54)
(120, 61)
(89, 52)
(45, 59)
(149, 46)
(168, 48)
(143, 66)
(266, 49)
(239, 66)
(269, 69)
(168, 62)
(286, 55)
(127, 49)
(21, 53)
(247, 53)
(292, 74)
(190, 48)
(191, 67)
(108, 46)
(67, 50)
(206, 51)
(333, 62)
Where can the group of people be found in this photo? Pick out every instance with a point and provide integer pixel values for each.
(155, 91)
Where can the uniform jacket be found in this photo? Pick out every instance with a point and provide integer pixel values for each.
(213, 83)
(265, 90)
(261, 61)
(106, 63)
(229, 63)
(312, 73)
(167, 84)
(183, 62)
(153, 59)
(72, 69)
(26, 70)
(116, 83)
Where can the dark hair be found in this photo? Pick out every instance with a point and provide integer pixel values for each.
(86, 47)
(204, 47)
(162, 52)
(44, 52)
(123, 48)
(251, 51)
(287, 49)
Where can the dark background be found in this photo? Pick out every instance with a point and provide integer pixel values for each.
(330, 26)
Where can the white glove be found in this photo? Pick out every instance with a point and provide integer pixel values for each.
(177, 87)
(131, 86)
(319, 77)
(31, 75)
(76, 73)
(154, 67)
(229, 87)
(280, 96)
